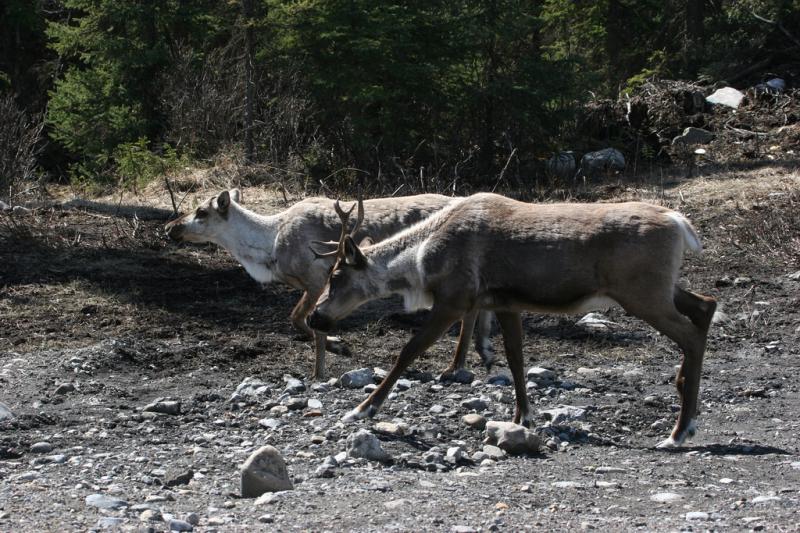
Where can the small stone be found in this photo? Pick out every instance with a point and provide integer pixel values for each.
(665, 497)
(742, 281)
(109, 522)
(403, 384)
(278, 410)
(5, 412)
(462, 375)
(41, 447)
(454, 454)
(474, 420)
(167, 407)
(355, 379)
(609, 470)
(692, 136)
(499, 380)
(541, 376)
(390, 428)
(364, 444)
(475, 404)
(794, 276)
(567, 484)
(595, 322)
(493, 452)
(180, 525)
(396, 504)
(180, 479)
(192, 518)
(151, 515)
(314, 403)
(697, 515)
(264, 471)
(293, 385)
(101, 501)
(513, 438)
(269, 423)
(563, 414)
(250, 390)
(463, 529)
(436, 409)
(64, 388)
(296, 404)
(266, 519)
(766, 499)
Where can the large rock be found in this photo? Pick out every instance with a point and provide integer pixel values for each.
(605, 161)
(512, 438)
(562, 165)
(727, 96)
(692, 136)
(264, 471)
(5, 412)
(355, 379)
(364, 444)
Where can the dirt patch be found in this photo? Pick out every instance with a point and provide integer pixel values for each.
(105, 304)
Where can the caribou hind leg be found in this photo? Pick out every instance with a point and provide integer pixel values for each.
(460, 355)
(683, 317)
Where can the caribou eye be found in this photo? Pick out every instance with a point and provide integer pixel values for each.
(201, 213)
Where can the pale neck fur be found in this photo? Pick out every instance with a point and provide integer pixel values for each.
(251, 240)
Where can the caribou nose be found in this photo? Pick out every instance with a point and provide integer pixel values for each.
(320, 322)
(174, 231)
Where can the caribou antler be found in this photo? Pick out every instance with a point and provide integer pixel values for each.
(344, 216)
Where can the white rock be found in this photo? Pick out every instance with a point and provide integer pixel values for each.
(180, 525)
(542, 376)
(567, 484)
(264, 471)
(564, 414)
(109, 522)
(697, 515)
(727, 96)
(5, 412)
(665, 497)
(102, 501)
(765, 499)
(364, 444)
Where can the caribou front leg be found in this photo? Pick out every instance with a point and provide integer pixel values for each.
(439, 320)
(460, 355)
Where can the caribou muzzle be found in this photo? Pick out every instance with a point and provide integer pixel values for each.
(174, 230)
(321, 322)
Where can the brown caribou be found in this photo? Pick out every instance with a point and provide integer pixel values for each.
(490, 252)
(275, 248)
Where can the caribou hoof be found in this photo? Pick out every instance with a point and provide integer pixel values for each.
(359, 414)
(676, 441)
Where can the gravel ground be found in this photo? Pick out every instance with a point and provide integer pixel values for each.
(101, 319)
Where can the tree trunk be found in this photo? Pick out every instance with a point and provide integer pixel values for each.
(249, 82)
(695, 35)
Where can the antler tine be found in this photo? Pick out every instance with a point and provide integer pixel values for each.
(318, 255)
(359, 216)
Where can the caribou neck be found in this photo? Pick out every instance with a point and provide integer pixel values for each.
(253, 242)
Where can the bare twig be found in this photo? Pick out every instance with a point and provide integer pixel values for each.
(502, 172)
(780, 26)
(171, 195)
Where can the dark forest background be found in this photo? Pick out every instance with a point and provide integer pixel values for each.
(103, 91)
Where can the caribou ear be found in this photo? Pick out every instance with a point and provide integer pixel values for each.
(366, 241)
(236, 195)
(352, 254)
(223, 202)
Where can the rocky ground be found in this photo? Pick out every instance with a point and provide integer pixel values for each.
(140, 375)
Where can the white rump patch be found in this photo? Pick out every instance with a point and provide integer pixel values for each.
(690, 238)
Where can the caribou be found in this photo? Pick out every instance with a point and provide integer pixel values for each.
(493, 253)
(274, 248)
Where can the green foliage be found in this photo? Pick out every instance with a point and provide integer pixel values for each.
(136, 165)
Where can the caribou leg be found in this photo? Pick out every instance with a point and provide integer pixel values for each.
(511, 324)
(439, 320)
